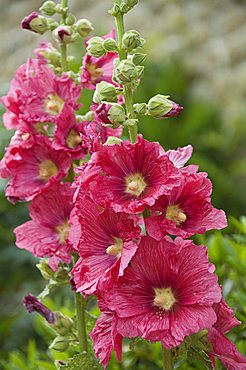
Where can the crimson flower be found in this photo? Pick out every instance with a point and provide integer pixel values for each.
(128, 177)
(187, 210)
(48, 231)
(108, 242)
(166, 293)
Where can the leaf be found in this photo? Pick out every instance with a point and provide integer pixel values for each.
(83, 361)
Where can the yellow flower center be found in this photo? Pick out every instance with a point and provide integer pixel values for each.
(135, 184)
(94, 72)
(63, 232)
(53, 104)
(73, 139)
(164, 298)
(25, 136)
(115, 249)
(176, 214)
(47, 169)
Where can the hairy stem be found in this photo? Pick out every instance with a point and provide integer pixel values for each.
(80, 304)
(63, 46)
(167, 359)
(128, 94)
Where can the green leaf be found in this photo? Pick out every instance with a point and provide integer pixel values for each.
(83, 361)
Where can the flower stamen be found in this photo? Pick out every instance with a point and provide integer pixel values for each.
(176, 214)
(47, 169)
(135, 184)
(53, 104)
(73, 139)
(115, 250)
(63, 232)
(164, 298)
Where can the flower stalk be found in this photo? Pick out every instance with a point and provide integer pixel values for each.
(132, 129)
(167, 359)
(63, 46)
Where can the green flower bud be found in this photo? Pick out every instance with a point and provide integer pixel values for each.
(95, 47)
(35, 23)
(52, 24)
(105, 92)
(139, 58)
(45, 270)
(127, 5)
(125, 71)
(132, 40)
(84, 27)
(140, 108)
(59, 344)
(112, 140)
(71, 19)
(48, 8)
(115, 10)
(63, 324)
(117, 115)
(159, 105)
(110, 45)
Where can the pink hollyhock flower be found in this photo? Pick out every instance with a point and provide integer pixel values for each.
(37, 95)
(105, 336)
(166, 293)
(34, 169)
(46, 235)
(131, 176)
(225, 351)
(108, 242)
(68, 134)
(186, 211)
(95, 70)
(222, 348)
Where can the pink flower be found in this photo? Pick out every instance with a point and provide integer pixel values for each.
(128, 177)
(105, 337)
(68, 134)
(166, 293)
(37, 95)
(95, 70)
(226, 319)
(34, 169)
(187, 210)
(225, 351)
(108, 242)
(47, 232)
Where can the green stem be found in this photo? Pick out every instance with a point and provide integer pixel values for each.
(80, 311)
(167, 359)
(63, 47)
(80, 304)
(133, 130)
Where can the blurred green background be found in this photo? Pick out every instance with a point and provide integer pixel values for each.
(197, 53)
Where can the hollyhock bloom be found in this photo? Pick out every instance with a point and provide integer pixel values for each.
(34, 169)
(187, 210)
(32, 304)
(47, 232)
(131, 176)
(108, 242)
(105, 336)
(179, 158)
(226, 319)
(95, 70)
(166, 293)
(37, 95)
(68, 134)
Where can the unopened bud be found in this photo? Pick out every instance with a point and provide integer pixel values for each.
(105, 92)
(64, 34)
(127, 5)
(140, 108)
(48, 8)
(132, 40)
(139, 58)
(95, 47)
(161, 107)
(112, 114)
(63, 324)
(32, 304)
(70, 20)
(59, 344)
(110, 45)
(112, 140)
(61, 276)
(45, 270)
(125, 71)
(52, 24)
(84, 27)
(35, 23)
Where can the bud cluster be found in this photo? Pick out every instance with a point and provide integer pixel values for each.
(97, 46)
